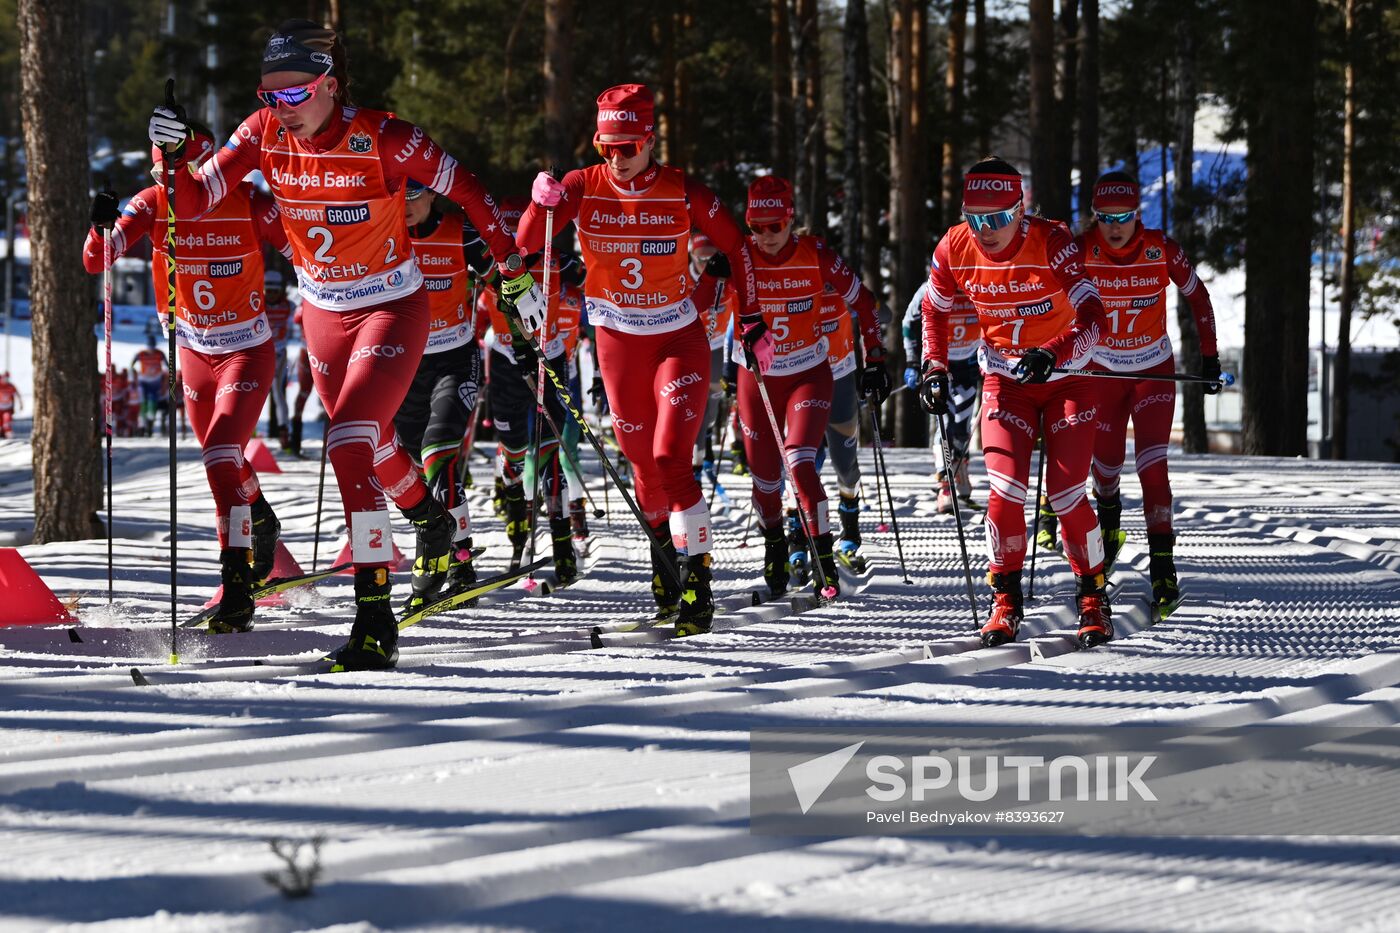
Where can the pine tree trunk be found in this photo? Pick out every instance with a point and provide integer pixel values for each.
(855, 67)
(558, 82)
(1276, 93)
(1188, 355)
(809, 121)
(1065, 104)
(1088, 104)
(67, 483)
(979, 88)
(953, 128)
(1341, 373)
(1042, 104)
(908, 190)
(782, 114)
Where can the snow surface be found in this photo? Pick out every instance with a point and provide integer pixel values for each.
(508, 777)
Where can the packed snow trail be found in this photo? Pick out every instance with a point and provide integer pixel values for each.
(512, 775)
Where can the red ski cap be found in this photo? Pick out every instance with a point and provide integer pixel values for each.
(626, 110)
(770, 200)
(700, 240)
(1116, 192)
(991, 185)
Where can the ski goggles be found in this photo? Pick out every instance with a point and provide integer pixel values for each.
(1122, 218)
(777, 226)
(994, 220)
(627, 148)
(293, 96)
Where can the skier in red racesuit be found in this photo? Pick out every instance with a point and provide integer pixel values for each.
(339, 172)
(634, 218)
(1038, 310)
(226, 353)
(1132, 268)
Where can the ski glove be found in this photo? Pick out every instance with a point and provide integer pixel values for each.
(1035, 366)
(168, 129)
(105, 213)
(759, 348)
(875, 378)
(524, 296)
(934, 389)
(599, 395)
(1210, 369)
(547, 191)
(911, 379)
(718, 266)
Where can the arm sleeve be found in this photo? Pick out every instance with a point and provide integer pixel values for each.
(267, 216)
(428, 164)
(913, 324)
(709, 215)
(1194, 290)
(474, 249)
(705, 293)
(196, 193)
(1067, 266)
(530, 235)
(853, 292)
(936, 303)
(137, 220)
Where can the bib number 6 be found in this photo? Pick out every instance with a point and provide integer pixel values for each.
(204, 294)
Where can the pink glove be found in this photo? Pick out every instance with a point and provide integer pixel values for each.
(759, 345)
(547, 191)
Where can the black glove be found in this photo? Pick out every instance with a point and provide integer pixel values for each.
(934, 389)
(105, 213)
(875, 379)
(1035, 366)
(729, 382)
(718, 266)
(598, 394)
(1210, 369)
(525, 355)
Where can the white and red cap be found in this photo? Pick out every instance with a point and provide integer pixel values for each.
(1116, 193)
(991, 185)
(626, 110)
(770, 200)
(700, 240)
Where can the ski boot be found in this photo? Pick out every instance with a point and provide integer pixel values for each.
(663, 585)
(374, 637)
(797, 550)
(433, 557)
(461, 571)
(963, 484)
(498, 498)
(775, 561)
(266, 529)
(946, 501)
(1166, 595)
(235, 613)
(827, 585)
(565, 560)
(697, 608)
(517, 523)
(295, 439)
(284, 438)
(578, 520)
(1095, 615)
(1110, 517)
(1047, 524)
(848, 547)
(740, 458)
(1007, 611)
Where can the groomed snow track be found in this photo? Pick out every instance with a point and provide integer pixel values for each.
(510, 775)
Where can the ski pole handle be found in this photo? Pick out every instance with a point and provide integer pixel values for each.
(1226, 379)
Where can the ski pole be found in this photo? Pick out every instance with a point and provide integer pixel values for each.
(563, 450)
(875, 452)
(109, 426)
(884, 474)
(719, 454)
(540, 413)
(1226, 379)
(943, 426)
(170, 307)
(1035, 526)
(320, 496)
(828, 591)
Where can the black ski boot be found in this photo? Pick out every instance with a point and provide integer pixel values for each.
(561, 534)
(461, 574)
(797, 550)
(374, 637)
(498, 498)
(578, 519)
(1166, 595)
(1047, 524)
(235, 613)
(1095, 615)
(433, 555)
(1110, 521)
(296, 435)
(1007, 611)
(828, 579)
(663, 585)
(848, 546)
(266, 529)
(517, 523)
(775, 561)
(697, 610)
